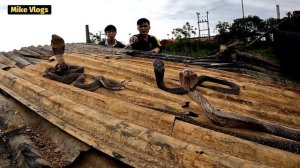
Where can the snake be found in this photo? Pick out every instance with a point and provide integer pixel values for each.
(159, 70)
(189, 82)
(67, 74)
(287, 145)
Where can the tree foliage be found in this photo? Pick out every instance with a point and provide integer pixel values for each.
(185, 32)
(245, 29)
(95, 38)
(223, 27)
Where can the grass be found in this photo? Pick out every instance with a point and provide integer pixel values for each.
(194, 54)
(196, 49)
(263, 52)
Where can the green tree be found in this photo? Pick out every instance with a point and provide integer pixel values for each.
(291, 23)
(223, 27)
(95, 38)
(247, 27)
(185, 32)
(224, 35)
(269, 24)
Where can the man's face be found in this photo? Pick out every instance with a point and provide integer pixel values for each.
(144, 28)
(111, 34)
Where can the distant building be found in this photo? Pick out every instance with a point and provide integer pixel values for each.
(296, 13)
(165, 42)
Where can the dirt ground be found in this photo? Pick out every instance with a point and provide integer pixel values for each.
(4, 155)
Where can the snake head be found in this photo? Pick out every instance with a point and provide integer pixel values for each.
(188, 79)
(57, 44)
(158, 65)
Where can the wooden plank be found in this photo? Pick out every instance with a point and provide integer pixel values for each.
(31, 53)
(137, 145)
(6, 61)
(41, 51)
(234, 146)
(97, 101)
(28, 51)
(19, 59)
(4, 67)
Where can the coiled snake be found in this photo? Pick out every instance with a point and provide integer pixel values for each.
(71, 73)
(67, 74)
(189, 82)
(159, 71)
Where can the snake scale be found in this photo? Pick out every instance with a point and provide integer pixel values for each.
(68, 74)
(189, 82)
(159, 70)
(287, 145)
(64, 73)
(71, 73)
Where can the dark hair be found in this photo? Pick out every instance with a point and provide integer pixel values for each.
(110, 28)
(143, 20)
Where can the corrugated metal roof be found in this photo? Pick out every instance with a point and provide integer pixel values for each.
(125, 124)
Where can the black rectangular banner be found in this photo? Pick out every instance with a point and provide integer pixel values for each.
(29, 9)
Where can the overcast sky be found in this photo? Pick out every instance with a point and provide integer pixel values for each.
(68, 18)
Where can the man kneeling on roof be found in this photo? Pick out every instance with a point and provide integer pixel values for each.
(144, 41)
(111, 32)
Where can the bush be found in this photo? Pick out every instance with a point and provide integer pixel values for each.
(189, 47)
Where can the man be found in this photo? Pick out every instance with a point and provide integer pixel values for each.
(111, 32)
(144, 41)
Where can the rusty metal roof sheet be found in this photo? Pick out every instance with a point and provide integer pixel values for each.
(125, 124)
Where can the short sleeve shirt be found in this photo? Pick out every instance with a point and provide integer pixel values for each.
(116, 45)
(145, 45)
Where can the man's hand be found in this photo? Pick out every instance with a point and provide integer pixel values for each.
(156, 50)
(133, 39)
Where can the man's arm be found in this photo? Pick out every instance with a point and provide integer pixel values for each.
(134, 42)
(133, 39)
(157, 45)
(120, 44)
(156, 50)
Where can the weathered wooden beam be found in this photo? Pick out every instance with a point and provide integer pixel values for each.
(91, 101)
(19, 59)
(31, 53)
(6, 61)
(133, 144)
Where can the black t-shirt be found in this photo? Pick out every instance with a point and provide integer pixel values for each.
(116, 45)
(145, 45)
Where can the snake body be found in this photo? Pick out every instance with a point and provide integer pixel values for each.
(189, 81)
(287, 145)
(234, 89)
(64, 75)
(223, 119)
(159, 70)
(70, 73)
(67, 74)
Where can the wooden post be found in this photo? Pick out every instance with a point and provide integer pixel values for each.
(87, 33)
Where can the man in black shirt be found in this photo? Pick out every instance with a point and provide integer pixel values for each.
(144, 41)
(111, 32)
